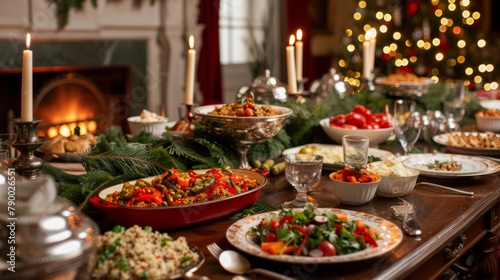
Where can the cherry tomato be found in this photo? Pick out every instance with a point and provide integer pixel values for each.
(355, 119)
(337, 120)
(379, 117)
(349, 126)
(360, 109)
(271, 237)
(375, 125)
(327, 248)
(248, 112)
(367, 126)
(385, 124)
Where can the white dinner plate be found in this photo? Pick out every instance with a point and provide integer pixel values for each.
(334, 154)
(391, 235)
(471, 166)
(442, 139)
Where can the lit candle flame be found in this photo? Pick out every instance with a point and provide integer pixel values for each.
(28, 40)
(292, 40)
(372, 33)
(191, 42)
(299, 34)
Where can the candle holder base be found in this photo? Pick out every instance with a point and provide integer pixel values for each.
(299, 97)
(26, 142)
(190, 116)
(185, 124)
(301, 84)
(369, 83)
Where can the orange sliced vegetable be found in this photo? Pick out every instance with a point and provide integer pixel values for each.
(276, 247)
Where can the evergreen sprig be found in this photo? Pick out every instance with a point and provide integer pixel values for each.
(113, 160)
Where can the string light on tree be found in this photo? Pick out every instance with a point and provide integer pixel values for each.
(445, 43)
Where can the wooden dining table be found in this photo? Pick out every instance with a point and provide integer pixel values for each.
(458, 231)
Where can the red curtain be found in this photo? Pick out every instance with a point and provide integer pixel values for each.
(209, 68)
(297, 16)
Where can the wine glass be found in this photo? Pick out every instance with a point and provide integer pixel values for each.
(407, 123)
(302, 171)
(454, 109)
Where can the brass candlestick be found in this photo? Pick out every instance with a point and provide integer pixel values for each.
(26, 142)
(190, 116)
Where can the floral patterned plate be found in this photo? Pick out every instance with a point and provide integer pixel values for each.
(391, 234)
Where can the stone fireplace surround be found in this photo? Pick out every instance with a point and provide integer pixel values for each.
(116, 27)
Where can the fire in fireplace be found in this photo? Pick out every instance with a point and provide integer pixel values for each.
(68, 102)
(90, 98)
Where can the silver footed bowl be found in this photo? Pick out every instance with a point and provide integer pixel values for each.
(243, 131)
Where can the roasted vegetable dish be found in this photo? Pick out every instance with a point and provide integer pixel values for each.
(355, 175)
(175, 187)
(247, 108)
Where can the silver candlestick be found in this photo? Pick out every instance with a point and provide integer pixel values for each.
(300, 85)
(26, 142)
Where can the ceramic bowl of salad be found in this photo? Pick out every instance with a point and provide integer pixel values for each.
(396, 179)
(354, 186)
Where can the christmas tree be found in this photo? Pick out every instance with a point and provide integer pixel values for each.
(440, 39)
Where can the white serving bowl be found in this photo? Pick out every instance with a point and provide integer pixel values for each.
(376, 136)
(155, 128)
(487, 123)
(354, 193)
(396, 186)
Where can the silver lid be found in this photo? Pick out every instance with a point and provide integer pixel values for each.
(331, 82)
(264, 88)
(46, 234)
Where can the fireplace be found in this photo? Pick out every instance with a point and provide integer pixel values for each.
(91, 98)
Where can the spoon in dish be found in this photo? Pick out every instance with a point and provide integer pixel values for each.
(236, 263)
(404, 211)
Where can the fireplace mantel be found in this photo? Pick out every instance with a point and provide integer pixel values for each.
(164, 25)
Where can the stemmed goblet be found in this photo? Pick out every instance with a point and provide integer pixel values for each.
(407, 123)
(302, 171)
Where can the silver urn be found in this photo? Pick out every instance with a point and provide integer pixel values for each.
(42, 236)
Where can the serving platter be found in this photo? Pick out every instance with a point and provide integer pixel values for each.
(405, 88)
(179, 216)
(61, 157)
(443, 139)
(334, 154)
(423, 82)
(471, 166)
(237, 235)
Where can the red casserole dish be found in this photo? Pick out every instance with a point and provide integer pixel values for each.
(172, 217)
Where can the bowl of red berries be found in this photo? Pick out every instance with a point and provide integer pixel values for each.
(360, 121)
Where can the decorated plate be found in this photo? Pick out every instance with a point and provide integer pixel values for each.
(391, 235)
(443, 139)
(422, 82)
(471, 166)
(334, 154)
